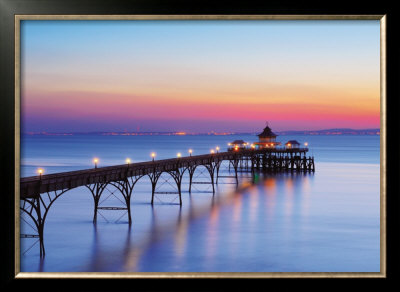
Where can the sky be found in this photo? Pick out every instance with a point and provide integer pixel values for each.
(199, 76)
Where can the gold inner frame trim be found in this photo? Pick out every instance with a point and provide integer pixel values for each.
(383, 155)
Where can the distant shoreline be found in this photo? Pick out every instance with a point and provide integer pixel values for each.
(325, 132)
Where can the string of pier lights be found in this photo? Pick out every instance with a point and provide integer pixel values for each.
(128, 161)
(153, 156)
(179, 155)
(96, 160)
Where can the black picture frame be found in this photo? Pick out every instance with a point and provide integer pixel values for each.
(9, 8)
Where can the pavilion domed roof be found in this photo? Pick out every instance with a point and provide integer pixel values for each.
(267, 133)
(292, 142)
(238, 142)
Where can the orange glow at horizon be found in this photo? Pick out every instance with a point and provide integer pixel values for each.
(112, 105)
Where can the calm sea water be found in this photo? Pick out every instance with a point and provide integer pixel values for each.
(328, 221)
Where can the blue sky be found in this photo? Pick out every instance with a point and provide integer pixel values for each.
(323, 68)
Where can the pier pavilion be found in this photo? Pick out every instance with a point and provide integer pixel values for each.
(292, 144)
(236, 145)
(267, 139)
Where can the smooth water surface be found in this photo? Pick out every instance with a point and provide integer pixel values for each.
(327, 221)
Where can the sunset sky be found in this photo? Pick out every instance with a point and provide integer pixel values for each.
(199, 76)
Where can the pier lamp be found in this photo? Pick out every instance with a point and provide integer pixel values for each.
(179, 155)
(128, 161)
(153, 155)
(190, 152)
(253, 146)
(95, 160)
(236, 148)
(306, 144)
(40, 172)
(212, 151)
(217, 148)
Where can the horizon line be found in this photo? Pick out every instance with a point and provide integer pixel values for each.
(212, 132)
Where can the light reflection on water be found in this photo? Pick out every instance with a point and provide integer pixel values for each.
(280, 224)
(326, 221)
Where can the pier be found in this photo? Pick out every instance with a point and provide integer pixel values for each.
(38, 193)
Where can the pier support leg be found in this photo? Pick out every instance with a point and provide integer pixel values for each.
(126, 191)
(96, 189)
(41, 242)
(128, 206)
(40, 227)
(180, 193)
(217, 167)
(265, 163)
(32, 208)
(96, 205)
(177, 174)
(313, 165)
(126, 188)
(212, 183)
(36, 209)
(235, 164)
(191, 170)
(211, 169)
(153, 190)
(253, 164)
(154, 178)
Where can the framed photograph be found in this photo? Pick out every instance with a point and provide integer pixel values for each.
(200, 146)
